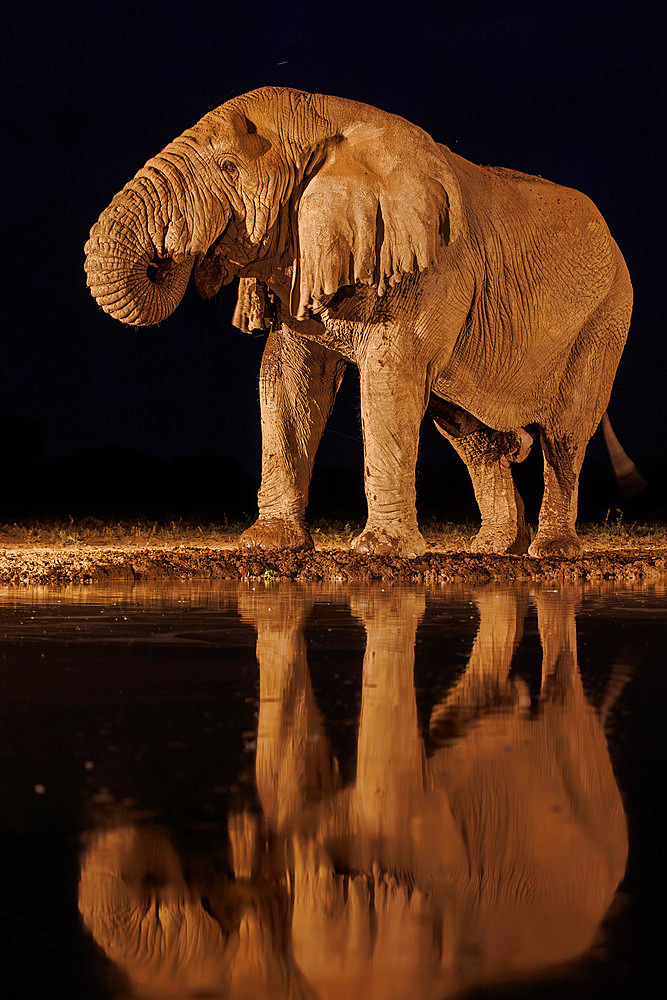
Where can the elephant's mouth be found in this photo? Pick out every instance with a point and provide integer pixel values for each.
(224, 260)
(158, 272)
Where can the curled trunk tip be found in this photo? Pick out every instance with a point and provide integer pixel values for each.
(132, 285)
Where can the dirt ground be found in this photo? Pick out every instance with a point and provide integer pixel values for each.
(92, 551)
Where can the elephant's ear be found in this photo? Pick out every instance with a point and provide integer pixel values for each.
(383, 203)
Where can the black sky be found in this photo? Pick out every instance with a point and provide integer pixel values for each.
(573, 91)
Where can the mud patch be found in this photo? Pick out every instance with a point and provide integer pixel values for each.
(41, 565)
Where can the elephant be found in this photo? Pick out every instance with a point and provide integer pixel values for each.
(491, 855)
(495, 301)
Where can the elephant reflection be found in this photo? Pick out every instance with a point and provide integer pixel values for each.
(490, 858)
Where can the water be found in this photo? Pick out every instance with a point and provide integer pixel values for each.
(267, 791)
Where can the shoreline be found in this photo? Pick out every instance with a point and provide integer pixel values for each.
(61, 565)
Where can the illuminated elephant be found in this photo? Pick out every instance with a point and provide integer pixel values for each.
(494, 300)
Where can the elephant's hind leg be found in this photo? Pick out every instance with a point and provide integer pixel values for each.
(575, 413)
(563, 457)
(488, 456)
(297, 387)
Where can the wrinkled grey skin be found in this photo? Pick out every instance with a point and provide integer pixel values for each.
(496, 301)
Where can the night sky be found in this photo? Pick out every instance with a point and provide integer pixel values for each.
(572, 91)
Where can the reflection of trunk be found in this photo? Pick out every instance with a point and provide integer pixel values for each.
(141, 251)
(135, 902)
(168, 939)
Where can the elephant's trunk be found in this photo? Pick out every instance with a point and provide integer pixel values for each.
(141, 250)
(126, 274)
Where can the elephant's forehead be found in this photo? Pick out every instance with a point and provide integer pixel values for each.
(228, 130)
(217, 124)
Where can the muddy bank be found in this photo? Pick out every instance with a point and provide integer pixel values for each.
(29, 566)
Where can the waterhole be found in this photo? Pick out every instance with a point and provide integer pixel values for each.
(329, 791)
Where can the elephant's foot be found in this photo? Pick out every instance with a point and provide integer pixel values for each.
(380, 541)
(551, 543)
(501, 542)
(273, 533)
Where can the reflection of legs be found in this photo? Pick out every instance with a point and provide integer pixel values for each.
(582, 399)
(557, 628)
(293, 762)
(298, 384)
(390, 751)
(485, 682)
(393, 402)
(573, 731)
(488, 455)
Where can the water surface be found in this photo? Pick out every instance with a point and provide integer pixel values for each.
(260, 790)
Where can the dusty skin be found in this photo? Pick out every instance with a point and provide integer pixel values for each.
(78, 553)
(491, 854)
(496, 301)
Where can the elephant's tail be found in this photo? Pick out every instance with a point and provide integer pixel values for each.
(629, 479)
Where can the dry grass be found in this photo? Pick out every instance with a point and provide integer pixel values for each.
(616, 533)
(613, 534)
(92, 531)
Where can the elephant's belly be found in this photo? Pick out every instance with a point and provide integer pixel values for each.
(491, 409)
(503, 392)
(507, 359)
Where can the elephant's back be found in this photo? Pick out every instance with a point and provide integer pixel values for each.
(512, 198)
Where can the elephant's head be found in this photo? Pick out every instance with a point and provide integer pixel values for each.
(173, 940)
(316, 192)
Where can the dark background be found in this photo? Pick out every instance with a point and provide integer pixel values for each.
(101, 419)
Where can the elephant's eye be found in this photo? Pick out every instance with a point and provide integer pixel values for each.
(229, 168)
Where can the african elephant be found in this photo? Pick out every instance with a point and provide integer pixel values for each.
(490, 857)
(494, 300)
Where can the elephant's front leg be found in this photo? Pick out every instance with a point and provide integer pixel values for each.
(297, 388)
(393, 403)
